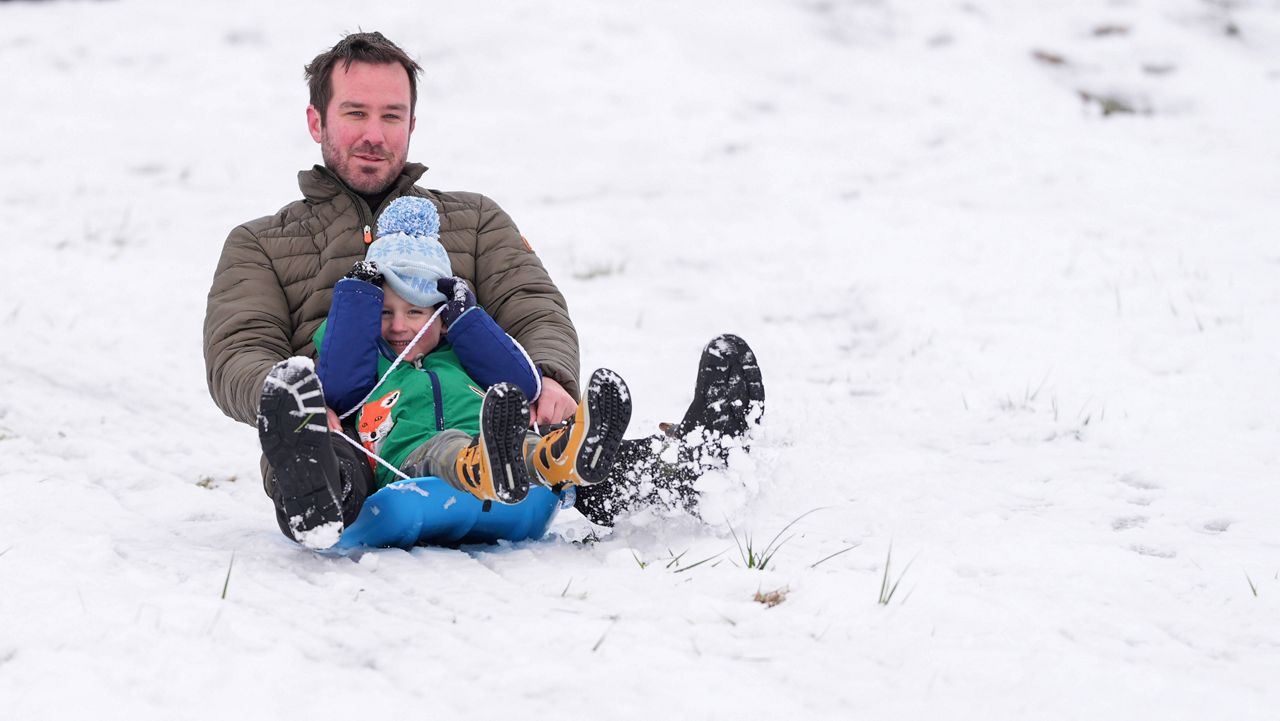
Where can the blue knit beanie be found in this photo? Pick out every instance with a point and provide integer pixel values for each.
(408, 250)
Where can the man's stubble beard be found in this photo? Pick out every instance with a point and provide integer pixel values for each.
(358, 180)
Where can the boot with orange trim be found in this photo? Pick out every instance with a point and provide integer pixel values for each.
(581, 452)
(493, 468)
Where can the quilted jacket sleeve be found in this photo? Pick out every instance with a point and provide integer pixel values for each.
(512, 284)
(246, 326)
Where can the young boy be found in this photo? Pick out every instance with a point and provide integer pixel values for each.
(420, 392)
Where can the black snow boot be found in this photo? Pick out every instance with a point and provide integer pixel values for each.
(728, 401)
(729, 396)
(294, 432)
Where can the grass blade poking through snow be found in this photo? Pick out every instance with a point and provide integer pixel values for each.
(837, 553)
(699, 563)
(760, 560)
(227, 582)
(887, 591)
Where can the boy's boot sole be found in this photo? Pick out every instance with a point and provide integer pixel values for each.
(504, 419)
(294, 433)
(607, 414)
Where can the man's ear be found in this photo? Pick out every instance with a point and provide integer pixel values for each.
(313, 123)
(413, 121)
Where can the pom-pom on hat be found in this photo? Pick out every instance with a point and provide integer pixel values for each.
(408, 250)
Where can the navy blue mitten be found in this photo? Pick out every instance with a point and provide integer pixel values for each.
(459, 298)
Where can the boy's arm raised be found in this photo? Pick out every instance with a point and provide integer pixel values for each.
(487, 353)
(348, 343)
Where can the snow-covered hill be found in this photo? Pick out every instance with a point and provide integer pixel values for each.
(1011, 269)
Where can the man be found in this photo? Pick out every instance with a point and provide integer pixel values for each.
(276, 274)
(275, 278)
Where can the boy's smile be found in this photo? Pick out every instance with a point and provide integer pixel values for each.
(402, 320)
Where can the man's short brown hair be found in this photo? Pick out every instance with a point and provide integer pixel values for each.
(370, 48)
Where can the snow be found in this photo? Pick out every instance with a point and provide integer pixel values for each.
(319, 538)
(1030, 345)
(298, 365)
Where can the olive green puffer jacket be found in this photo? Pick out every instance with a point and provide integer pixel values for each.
(276, 276)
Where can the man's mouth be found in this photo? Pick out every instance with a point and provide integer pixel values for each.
(370, 154)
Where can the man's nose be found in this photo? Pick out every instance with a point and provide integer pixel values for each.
(374, 134)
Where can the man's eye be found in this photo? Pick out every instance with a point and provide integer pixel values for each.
(394, 118)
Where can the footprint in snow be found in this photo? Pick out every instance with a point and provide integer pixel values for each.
(1127, 522)
(1218, 525)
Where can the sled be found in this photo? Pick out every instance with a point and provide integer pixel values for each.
(429, 512)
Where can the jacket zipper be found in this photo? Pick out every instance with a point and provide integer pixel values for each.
(439, 399)
(362, 208)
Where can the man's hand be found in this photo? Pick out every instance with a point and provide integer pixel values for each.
(554, 404)
(458, 298)
(335, 425)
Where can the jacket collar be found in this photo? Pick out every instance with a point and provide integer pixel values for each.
(320, 184)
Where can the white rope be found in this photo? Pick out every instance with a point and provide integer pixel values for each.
(372, 455)
(360, 405)
(395, 363)
(399, 358)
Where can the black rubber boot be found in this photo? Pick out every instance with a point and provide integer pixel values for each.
(729, 396)
(294, 433)
(356, 477)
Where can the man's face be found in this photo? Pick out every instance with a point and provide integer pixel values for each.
(365, 134)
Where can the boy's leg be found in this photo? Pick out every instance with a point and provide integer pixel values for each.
(491, 467)
(728, 402)
(583, 450)
(436, 457)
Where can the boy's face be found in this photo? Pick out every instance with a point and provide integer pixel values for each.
(401, 321)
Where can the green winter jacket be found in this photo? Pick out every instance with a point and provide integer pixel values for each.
(276, 275)
(403, 413)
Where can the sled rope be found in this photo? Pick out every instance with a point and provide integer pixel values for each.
(399, 358)
(373, 455)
